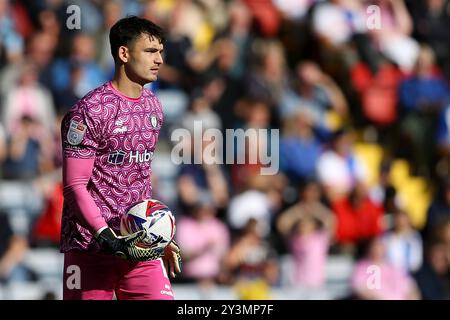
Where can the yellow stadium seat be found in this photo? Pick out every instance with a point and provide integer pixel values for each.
(371, 155)
(399, 173)
(257, 289)
(204, 37)
(333, 120)
(417, 208)
(417, 197)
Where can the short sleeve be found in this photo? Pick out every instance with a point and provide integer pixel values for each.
(80, 132)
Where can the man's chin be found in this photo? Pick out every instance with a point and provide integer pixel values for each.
(148, 80)
(151, 79)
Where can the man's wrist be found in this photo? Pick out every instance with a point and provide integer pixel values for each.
(97, 233)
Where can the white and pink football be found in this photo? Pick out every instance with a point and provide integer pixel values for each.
(155, 218)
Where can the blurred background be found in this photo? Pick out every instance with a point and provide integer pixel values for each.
(360, 208)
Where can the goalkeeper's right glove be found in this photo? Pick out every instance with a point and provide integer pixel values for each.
(125, 246)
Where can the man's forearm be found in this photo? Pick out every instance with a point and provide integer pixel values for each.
(76, 175)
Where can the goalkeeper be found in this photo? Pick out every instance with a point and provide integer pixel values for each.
(109, 138)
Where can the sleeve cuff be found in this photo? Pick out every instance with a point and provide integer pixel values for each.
(97, 233)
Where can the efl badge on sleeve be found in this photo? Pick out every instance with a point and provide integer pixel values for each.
(76, 132)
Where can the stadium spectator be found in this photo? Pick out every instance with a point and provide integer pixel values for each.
(374, 278)
(201, 112)
(384, 192)
(255, 148)
(377, 92)
(441, 233)
(423, 96)
(357, 218)
(336, 21)
(266, 16)
(426, 88)
(68, 96)
(13, 248)
(239, 32)
(309, 246)
(259, 201)
(308, 229)
(195, 179)
(300, 149)
(334, 25)
(339, 169)
(403, 244)
(29, 151)
(393, 36)
(49, 24)
(267, 80)
(251, 257)
(111, 11)
(203, 255)
(309, 204)
(316, 92)
(41, 48)
(433, 278)
(11, 41)
(28, 98)
(82, 53)
(431, 25)
(439, 210)
(46, 229)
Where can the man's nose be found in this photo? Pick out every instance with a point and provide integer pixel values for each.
(159, 59)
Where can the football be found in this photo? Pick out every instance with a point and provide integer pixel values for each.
(155, 218)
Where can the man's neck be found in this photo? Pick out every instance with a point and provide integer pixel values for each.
(126, 86)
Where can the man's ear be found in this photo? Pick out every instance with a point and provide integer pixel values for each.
(123, 54)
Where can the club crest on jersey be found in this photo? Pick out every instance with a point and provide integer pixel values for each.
(76, 132)
(154, 121)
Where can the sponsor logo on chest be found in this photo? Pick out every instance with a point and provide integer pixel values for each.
(118, 157)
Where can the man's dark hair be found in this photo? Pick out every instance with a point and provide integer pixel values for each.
(128, 29)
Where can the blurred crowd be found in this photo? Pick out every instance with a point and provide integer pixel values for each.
(334, 76)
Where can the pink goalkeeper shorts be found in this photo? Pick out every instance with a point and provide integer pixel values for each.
(96, 276)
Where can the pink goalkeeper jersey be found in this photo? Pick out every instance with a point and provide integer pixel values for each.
(119, 135)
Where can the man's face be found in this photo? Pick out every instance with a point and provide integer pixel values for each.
(145, 59)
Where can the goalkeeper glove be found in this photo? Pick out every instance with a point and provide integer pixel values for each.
(125, 246)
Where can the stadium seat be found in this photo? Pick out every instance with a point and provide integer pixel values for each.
(400, 170)
(46, 263)
(414, 192)
(23, 291)
(372, 155)
(166, 172)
